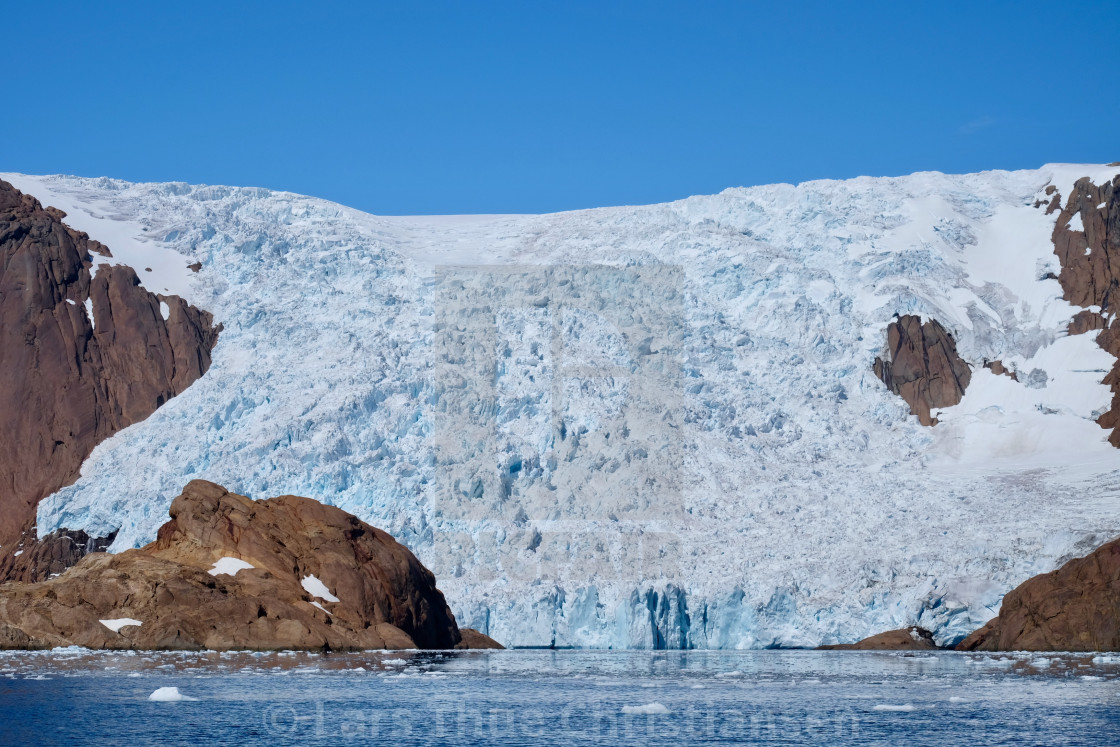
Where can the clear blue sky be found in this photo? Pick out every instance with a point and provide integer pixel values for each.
(432, 107)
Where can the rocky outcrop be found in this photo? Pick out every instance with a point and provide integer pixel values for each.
(1075, 608)
(71, 381)
(922, 366)
(1086, 239)
(999, 369)
(474, 639)
(904, 639)
(228, 572)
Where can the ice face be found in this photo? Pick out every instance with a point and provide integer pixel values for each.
(632, 427)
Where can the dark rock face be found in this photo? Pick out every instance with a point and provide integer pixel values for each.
(39, 559)
(1090, 276)
(1075, 608)
(70, 384)
(384, 597)
(923, 366)
(1090, 257)
(905, 639)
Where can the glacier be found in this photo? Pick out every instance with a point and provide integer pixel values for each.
(631, 427)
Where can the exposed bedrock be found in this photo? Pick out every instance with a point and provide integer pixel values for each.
(1087, 241)
(230, 572)
(904, 639)
(1075, 608)
(71, 381)
(922, 366)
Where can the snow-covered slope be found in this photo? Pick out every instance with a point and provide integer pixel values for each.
(636, 426)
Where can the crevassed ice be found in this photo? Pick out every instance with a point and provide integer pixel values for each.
(643, 426)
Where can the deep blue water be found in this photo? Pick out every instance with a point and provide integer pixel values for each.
(560, 697)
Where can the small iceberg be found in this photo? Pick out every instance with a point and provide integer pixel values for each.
(169, 695)
(899, 708)
(649, 709)
(957, 699)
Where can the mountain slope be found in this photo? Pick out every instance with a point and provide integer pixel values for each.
(83, 354)
(636, 426)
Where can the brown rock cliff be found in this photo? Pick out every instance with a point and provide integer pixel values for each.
(1090, 276)
(70, 383)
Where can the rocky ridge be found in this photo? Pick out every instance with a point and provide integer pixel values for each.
(229, 572)
(83, 354)
(1087, 242)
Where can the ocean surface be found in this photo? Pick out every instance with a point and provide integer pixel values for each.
(72, 696)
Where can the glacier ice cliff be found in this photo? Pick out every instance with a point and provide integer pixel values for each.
(639, 426)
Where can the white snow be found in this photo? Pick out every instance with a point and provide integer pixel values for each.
(17, 553)
(649, 709)
(634, 426)
(169, 695)
(164, 310)
(899, 708)
(89, 312)
(229, 566)
(71, 302)
(130, 240)
(317, 588)
(1075, 223)
(115, 625)
(324, 609)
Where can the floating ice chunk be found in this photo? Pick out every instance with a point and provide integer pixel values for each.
(317, 588)
(1091, 678)
(169, 695)
(1106, 659)
(649, 709)
(900, 708)
(229, 566)
(118, 623)
(957, 699)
